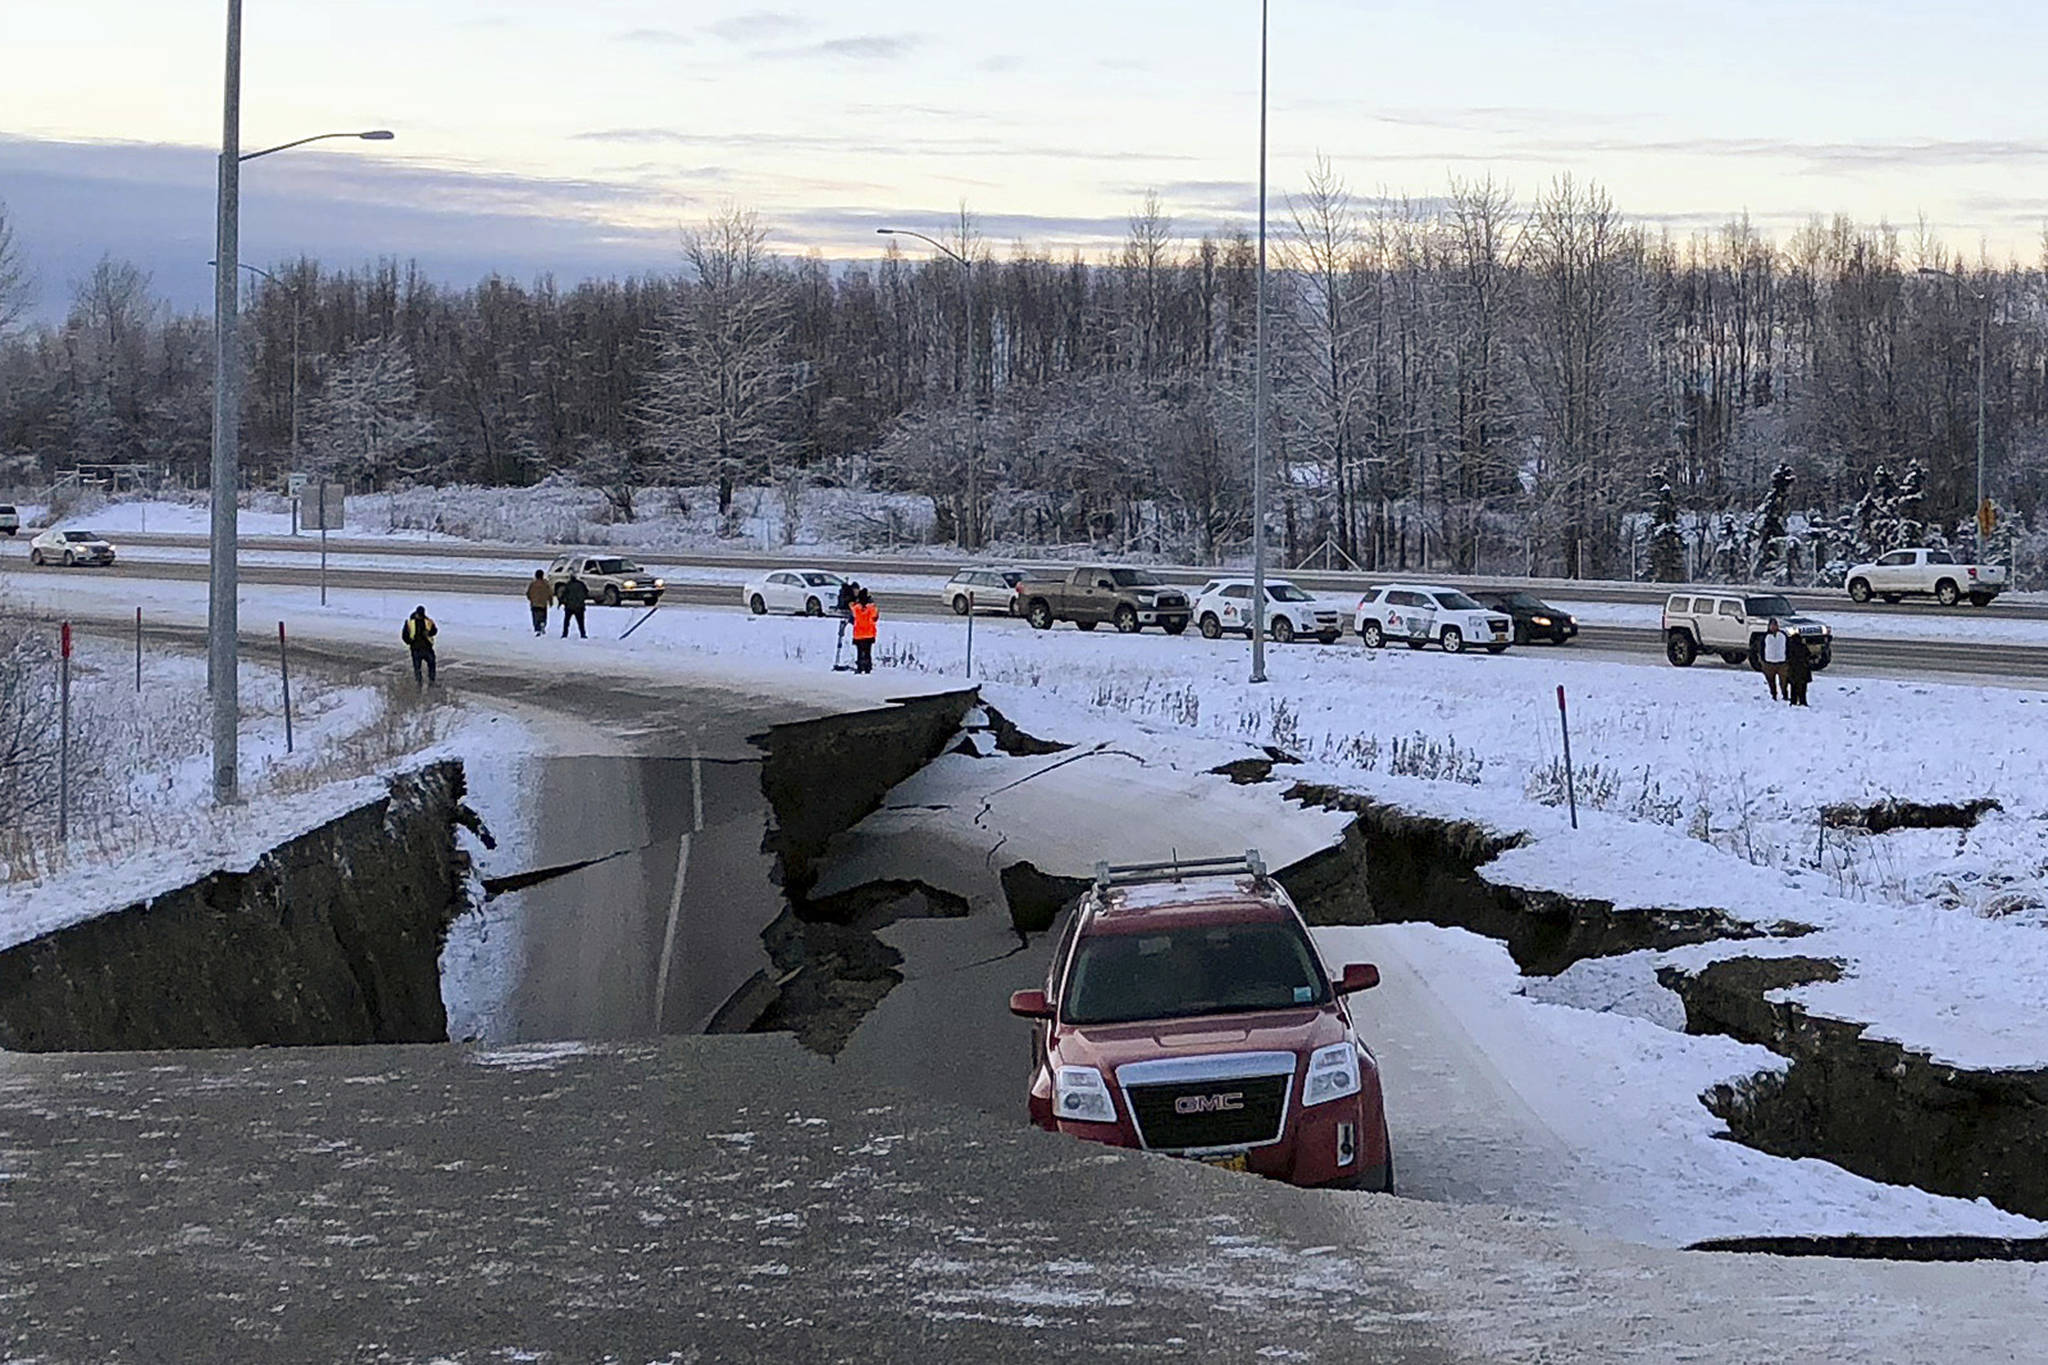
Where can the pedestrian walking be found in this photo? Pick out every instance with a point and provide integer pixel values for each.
(1798, 668)
(418, 633)
(540, 597)
(575, 596)
(1773, 650)
(866, 615)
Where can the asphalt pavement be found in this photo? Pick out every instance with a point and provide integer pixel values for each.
(1853, 656)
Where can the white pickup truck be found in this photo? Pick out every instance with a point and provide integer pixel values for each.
(1925, 573)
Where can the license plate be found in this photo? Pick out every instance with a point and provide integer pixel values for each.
(1236, 1162)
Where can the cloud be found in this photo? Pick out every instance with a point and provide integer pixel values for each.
(979, 146)
(758, 26)
(865, 47)
(1000, 63)
(655, 37)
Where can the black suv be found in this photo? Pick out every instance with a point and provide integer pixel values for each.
(1534, 618)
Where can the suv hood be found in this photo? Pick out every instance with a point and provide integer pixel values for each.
(1110, 1046)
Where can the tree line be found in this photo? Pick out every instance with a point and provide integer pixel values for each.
(1468, 382)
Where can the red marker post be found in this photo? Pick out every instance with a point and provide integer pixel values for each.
(1571, 791)
(64, 737)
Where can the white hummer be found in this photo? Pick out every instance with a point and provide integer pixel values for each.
(1733, 625)
(1925, 573)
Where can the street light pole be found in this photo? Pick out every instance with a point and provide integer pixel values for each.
(222, 609)
(1259, 397)
(971, 539)
(223, 620)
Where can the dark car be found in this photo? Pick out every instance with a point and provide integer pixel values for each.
(1534, 618)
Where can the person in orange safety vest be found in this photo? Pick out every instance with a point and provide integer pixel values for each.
(865, 616)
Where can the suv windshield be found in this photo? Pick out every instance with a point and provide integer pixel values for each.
(1219, 969)
(1456, 601)
(1287, 592)
(1134, 578)
(613, 566)
(1767, 606)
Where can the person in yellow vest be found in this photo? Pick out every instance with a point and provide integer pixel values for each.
(418, 635)
(865, 617)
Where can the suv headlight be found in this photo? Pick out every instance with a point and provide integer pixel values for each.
(1082, 1096)
(1332, 1074)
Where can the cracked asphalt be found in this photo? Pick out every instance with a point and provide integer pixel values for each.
(693, 1199)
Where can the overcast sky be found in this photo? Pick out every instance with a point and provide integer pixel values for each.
(576, 138)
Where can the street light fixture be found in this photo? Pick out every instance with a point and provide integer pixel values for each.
(373, 135)
(972, 537)
(222, 617)
(1983, 297)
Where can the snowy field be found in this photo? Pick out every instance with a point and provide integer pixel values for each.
(1695, 790)
(143, 819)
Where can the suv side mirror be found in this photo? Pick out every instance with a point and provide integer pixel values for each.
(1358, 976)
(1034, 1005)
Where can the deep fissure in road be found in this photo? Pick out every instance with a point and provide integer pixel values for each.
(1872, 1107)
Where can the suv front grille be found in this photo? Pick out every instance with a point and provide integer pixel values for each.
(1195, 1114)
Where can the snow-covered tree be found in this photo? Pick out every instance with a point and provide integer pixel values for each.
(1770, 556)
(1667, 541)
(367, 426)
(722, 381)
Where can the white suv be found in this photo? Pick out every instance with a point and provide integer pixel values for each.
(611, 580)
(1225, 605)
(1420, 614)
(1733, 625)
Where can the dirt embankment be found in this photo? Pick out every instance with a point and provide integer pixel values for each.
(332, 938)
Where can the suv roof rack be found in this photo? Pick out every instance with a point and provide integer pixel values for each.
(1127, 874)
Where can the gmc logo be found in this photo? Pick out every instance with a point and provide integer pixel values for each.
(1208, 1104)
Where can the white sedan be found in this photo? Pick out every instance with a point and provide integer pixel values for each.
(70, 548)
(803, 592)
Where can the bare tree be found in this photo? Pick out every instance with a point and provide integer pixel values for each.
(1323, 263)
(713, 403)
(17, 291)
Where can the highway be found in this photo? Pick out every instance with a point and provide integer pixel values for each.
(1857, 656)
(523, 559)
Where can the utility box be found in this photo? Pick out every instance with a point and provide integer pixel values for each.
(320, 507)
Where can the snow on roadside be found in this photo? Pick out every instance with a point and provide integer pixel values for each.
(153, 827)
(1620, 1096)
(1694, 788)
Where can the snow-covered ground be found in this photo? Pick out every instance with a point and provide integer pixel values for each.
(143, 820)
(1695, 790)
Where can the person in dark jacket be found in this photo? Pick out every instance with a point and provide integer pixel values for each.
(1798, 668)
(575, 596)
(418, 634)
(539, 596)
(849, 593)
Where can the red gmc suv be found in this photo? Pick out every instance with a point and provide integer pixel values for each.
(1187, 1011)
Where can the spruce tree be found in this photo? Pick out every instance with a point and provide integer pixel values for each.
(1667, 542)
